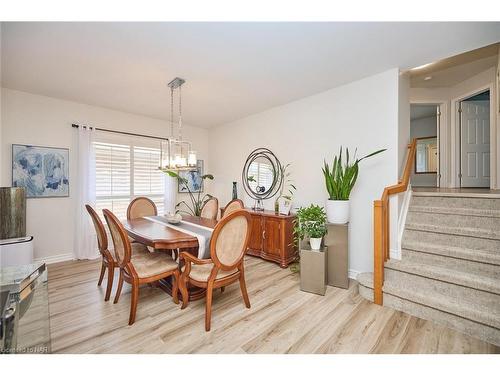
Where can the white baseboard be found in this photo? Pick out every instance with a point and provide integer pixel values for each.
(353, 274)
(56, 258)
(395, 253)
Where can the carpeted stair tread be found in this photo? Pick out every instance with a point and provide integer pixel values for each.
(455, 211)
(484, 283)
(477, 255)
(460, 231)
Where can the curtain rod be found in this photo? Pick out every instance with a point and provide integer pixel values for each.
(120, 132)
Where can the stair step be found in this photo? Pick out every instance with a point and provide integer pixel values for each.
(461, 279)
(454, 230)
(452, 264)
(455, 211)
(438, 309)
(462, 195)
(477, 246)
(455, 252)
(481, 223)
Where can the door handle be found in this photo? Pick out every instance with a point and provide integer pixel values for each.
(264, 234)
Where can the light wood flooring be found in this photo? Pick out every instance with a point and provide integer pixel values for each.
(282, 319)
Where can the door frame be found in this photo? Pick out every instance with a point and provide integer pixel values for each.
(442, 140)
(456, 136)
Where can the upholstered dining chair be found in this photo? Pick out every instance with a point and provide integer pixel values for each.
(140, 207)
(107, 261)
(235, 204)
(137, 265)
(209, 209)
(228, 246)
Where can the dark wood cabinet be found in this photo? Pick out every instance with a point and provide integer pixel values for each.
(272, 237)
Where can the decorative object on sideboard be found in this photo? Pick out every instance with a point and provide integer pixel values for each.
(43, 171)
(176, 154)
(235, 191)
(12, 212)
(310, 223)
(196, 198)
(261, 176)
(283, 203)
(339, 182)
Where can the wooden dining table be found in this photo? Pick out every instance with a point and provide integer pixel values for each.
(165, 238)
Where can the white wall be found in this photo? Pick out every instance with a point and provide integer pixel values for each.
(423, 127)
(362, 114)
(40, 120)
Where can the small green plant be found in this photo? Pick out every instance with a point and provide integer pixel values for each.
(287, 183)
(310, 222)
(197, 200)
(340, 179)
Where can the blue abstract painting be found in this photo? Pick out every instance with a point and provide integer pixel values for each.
(42, 171)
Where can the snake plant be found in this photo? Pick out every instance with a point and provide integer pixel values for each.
(340, 179)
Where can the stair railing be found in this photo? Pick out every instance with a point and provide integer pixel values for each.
(381, 224)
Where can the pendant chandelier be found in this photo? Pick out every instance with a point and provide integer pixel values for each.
(175, 153)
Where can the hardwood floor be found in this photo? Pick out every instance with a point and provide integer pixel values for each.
(282, 319)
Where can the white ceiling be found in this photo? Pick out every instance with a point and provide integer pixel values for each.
(453, 70)
(232, 69)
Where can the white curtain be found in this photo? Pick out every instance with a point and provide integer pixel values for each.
(85, 240)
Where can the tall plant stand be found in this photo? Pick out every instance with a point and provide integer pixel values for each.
(337, 242)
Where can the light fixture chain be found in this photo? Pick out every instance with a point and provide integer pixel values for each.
(172, 112)
(180, 113)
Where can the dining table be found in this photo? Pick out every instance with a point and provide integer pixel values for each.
(159, 234)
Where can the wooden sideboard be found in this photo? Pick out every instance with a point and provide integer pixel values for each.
(272, 237)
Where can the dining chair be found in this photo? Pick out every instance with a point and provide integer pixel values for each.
(137, 265)
(140, 207)
(228, 246)
(209, 209)
(107, 261)
(235, 204)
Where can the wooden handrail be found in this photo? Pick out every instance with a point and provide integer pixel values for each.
(381, 224)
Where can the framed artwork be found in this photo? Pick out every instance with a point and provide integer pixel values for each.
(193, 178)
(42, 171)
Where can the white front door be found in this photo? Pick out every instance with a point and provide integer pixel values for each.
(475, 143)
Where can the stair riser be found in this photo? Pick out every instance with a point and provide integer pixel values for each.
(461, 265)
(471, 328)
(481, 300)
(452, 240)
(490, 224)
(456, 202)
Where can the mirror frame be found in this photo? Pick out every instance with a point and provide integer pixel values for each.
(276, 165)
(417, 139)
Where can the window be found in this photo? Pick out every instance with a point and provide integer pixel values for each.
(126, 169)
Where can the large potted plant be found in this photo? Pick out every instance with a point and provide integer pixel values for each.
(197, 200)
(340, 180)
(310, 222)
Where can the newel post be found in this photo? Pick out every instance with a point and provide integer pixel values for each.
(378, 254)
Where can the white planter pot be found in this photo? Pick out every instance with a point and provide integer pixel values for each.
(315, 243)
(337, 212)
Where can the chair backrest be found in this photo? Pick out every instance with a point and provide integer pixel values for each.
(209, 209)
(121, 242)
(235, 204)
(230, 238)
(102, 237)
(140, 207)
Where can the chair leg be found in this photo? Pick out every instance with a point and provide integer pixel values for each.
(119, 289)
(208, 308)
(101, 276)
(111, 274)
(133, 302)
(175, 287)
(184, 291)
(243, 288)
